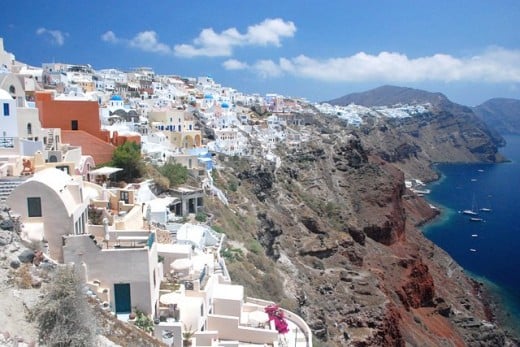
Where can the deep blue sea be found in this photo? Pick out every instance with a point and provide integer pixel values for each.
(488, 250)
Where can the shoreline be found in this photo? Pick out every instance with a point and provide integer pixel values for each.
(493, 296)
(494, 300)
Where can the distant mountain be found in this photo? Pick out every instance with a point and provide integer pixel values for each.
(389, 96)
(501, 114)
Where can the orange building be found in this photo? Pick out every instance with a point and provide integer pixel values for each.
(80, 124)
(70, 114)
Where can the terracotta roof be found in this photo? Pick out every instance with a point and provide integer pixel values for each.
(100, 150)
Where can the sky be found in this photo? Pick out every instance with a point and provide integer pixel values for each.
(320, 50)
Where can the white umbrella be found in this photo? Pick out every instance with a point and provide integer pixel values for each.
(181, 264)
(170, 299)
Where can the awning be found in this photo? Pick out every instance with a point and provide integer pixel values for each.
(170, 299)
(181, 264)
(106, 170)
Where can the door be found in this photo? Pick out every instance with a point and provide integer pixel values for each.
(74, 125)
(122, 296)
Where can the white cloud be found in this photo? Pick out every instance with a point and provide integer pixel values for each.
(267, 68)
(109, 36)
(493, 65)
(212, 44)
(56, 37)
(269, 32)
(233, 64)
(145, 41)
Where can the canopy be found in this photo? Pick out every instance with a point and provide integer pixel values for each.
(106, 170)
(181, 264)
(170, 299)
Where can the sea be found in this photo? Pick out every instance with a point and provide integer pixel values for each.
(488, 250)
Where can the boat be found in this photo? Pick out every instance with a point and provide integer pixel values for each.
(474, 235)
(480, 170)
(476, 219)
(472, 249)
(473, 210)
(487, 209)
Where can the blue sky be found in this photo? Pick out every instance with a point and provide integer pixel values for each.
(468, 50)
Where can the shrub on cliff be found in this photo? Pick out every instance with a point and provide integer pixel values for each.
(176, 173)
(63, 316)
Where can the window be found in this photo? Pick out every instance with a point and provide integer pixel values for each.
(34, 207)
(6, 109)
(124, 196)
(29, 129)
(64, 168)
(74, 125)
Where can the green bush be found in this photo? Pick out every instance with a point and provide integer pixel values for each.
(232, 254)
(218, 229)
(201, 217)
(142, 321)
(233, 186)
(128, 157)
(176, 173)
(255, 247)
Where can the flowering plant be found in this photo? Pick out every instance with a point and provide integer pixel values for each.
(275, 313)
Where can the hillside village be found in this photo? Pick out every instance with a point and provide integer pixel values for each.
(60, 126)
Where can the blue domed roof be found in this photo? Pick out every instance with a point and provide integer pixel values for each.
(116, 98)
(208, 96)
(224, 105)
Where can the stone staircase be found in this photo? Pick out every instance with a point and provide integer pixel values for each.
(50, 140)
(7, 185)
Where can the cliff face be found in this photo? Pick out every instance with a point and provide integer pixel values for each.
(340, 227)
(501, 114)
(440, 135)
(446, 132)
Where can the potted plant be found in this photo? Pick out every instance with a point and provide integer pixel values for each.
(187, 335)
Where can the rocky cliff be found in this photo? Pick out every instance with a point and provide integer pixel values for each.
(339, 239)
(445, 132)
(501, 114)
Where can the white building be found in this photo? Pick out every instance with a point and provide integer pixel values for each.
(6, 59)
